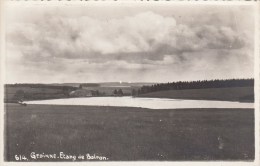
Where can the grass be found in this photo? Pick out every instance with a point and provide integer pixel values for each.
(244, 94)
(41, 93)
(34, 93)
(124, 134)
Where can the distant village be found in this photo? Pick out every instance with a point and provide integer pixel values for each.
(89, 89)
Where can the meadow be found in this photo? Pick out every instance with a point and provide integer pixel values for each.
(129, 134)
(242, 94)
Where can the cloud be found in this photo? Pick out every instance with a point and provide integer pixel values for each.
(148, 34)
(133, 44)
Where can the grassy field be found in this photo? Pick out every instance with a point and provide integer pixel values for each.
(39, 93)
(55, 91)
(244, 94)
(129, 133)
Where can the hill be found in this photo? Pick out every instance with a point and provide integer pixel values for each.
(242, 94)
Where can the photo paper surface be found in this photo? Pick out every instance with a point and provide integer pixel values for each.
(131, 82)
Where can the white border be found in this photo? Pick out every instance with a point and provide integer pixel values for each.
(135, 2)
(2, 71)
(257, 83)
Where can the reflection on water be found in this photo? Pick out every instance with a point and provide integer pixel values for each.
(152, 103)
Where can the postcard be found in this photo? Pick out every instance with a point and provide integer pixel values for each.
(115, 82)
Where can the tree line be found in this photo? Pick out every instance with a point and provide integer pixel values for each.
(200, 84)
(118, 92)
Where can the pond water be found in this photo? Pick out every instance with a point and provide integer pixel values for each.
(152, 103)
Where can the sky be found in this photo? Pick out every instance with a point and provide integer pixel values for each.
(129, 43)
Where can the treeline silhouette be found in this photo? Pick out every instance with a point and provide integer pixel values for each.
(200, 84)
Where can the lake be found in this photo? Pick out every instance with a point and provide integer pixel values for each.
(151, 103)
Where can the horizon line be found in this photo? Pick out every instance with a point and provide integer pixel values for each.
(130, 82)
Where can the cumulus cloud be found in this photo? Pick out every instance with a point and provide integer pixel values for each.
(138, 42)
(148, 34)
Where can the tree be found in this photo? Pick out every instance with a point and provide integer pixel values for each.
(134, 93)
(120, 92)
(200, 84)
(115, 92)
(95, 92)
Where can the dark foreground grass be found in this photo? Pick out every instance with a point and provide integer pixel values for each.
(129, 133)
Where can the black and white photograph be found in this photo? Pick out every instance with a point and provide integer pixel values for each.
(140, 81)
